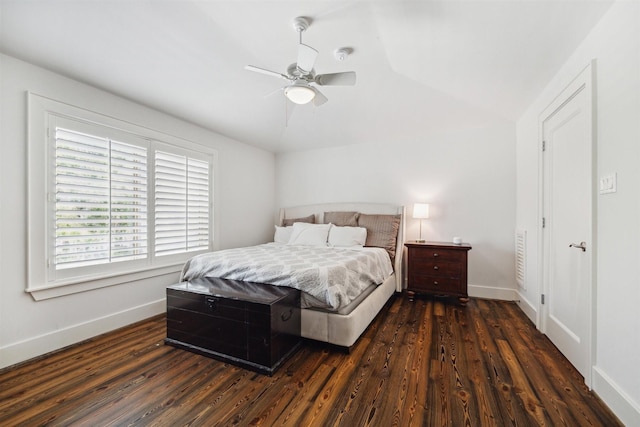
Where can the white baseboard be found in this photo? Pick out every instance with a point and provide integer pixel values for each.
(528, 308)
(43, 344)
(492, 293)
(615, 398)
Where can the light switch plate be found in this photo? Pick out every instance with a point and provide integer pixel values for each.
(608, 183)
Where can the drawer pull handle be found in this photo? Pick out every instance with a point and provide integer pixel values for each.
(435, 267)
(436, 255)
(435, 283)
(286, 316)
(211, 303)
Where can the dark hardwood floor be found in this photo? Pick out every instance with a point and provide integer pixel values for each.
(428, 362)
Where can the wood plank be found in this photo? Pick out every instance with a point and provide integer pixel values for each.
(32, 380)
(428, 362)
(290, 391)
(414, 411)
(372, 384)
(522, 387)
(67, 389)
(467, 410)
(487, 407)
(557, 389)
(397, 371)
(327, 398)
(488, 330)
(121, 406)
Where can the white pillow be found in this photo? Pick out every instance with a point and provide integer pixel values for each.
(309, 234)
(282, 234)
(347, 236)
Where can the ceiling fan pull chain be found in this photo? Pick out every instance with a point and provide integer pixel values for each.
(286, 113)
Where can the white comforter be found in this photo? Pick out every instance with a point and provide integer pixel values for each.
(329, 277)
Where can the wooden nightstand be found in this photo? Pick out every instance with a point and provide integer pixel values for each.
(437, 268)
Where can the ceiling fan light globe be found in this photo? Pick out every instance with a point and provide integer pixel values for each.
(299, 94)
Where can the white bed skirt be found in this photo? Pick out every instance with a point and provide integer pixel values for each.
(344, 330)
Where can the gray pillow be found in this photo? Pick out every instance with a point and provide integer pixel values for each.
(341, 219)
(382, 231)
(311, 219)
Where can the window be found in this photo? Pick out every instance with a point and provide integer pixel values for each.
(100, 200)
(181, 204)
(117, 200)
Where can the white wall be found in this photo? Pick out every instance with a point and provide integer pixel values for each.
(615, 44)
(466, 174)
(244, 187)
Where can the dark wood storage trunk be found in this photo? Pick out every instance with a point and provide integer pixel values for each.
(253, 325)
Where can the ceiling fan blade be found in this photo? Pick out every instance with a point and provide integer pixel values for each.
(319, 99)
(306, 58)
(348, 78)
(264, 71)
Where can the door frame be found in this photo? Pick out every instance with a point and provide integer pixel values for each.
(584, 81)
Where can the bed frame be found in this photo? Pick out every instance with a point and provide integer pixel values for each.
(344, 329)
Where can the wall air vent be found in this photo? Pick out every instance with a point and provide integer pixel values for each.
(521, 250)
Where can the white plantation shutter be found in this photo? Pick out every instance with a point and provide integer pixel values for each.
(181, 204)
(100, 200)
(198, 205)
(97, 185)
(170, 203)
(128, 202)
(82, 199)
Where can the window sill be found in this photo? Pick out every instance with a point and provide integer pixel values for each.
(62, 289)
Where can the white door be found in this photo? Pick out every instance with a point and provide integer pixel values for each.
(566, 129)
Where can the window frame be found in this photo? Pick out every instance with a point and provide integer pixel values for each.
(42, 279)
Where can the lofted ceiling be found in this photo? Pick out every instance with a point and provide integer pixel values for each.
(441, 63)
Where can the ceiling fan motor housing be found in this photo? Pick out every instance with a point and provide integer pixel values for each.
(296, 73)
(301, 23)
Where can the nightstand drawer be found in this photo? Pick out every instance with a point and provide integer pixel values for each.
(437, 268)
(436, 284)
(436, 254)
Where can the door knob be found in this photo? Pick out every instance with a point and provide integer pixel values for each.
(582, 245)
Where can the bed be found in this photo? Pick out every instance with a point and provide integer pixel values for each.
(334, 314)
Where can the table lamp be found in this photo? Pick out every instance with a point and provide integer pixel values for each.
(421, 212)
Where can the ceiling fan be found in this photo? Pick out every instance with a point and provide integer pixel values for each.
(301, 73)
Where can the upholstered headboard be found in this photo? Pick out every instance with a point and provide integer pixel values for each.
(318, 211)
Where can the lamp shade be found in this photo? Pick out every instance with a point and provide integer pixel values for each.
(299, 92)
(421, 210)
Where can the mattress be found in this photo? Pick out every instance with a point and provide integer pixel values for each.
(330, 278)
